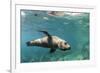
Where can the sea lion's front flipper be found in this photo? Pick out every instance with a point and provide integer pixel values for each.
(52, 50)
(45, 32)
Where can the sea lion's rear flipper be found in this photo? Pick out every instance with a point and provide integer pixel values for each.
(52, 50)
(45, 32)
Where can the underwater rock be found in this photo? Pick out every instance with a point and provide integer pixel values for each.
(79, 57)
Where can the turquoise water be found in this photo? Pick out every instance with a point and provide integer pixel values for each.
(70, 27)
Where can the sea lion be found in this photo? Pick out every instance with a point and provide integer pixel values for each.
(35, 14)
(56, 13)
(49, 41)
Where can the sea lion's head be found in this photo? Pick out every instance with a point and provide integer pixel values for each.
(63, 45)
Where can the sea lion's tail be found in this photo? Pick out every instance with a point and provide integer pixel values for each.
(28, 43)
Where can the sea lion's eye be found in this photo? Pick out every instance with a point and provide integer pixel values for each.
(65, 43)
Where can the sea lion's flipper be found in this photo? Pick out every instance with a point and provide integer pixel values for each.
(45, 32)
(52, 50)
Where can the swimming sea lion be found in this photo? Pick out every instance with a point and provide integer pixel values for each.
(49, 41)
(56, 13)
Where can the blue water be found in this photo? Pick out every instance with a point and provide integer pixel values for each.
(72, 28)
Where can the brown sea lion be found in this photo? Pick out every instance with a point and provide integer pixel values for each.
(49, 41)
(56, 13)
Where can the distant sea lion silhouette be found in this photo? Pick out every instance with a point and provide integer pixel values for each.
(56, 13)
(35, 14)
(49, 41)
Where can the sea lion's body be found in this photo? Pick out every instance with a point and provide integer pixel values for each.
(56, 13)
(52, 42)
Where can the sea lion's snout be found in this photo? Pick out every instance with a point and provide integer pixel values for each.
(68, 48)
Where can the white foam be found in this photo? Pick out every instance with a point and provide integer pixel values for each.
(23, 13)
(70, 13)
(45, 18)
